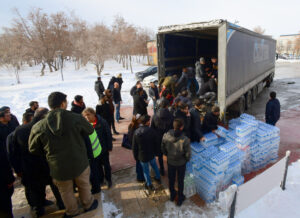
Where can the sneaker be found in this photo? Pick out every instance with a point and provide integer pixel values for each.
(157, 180)
(149, 187)
(69, 216)
(48, 203)
(140, 180)
(180, 201)
(172, 197)
(38, 211)
(93, 206)
(109, 184)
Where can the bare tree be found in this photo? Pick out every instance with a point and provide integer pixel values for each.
(259, 29)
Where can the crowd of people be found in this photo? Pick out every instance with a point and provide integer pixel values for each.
(69, 150)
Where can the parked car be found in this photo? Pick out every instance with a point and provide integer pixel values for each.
(149, 71)
(152, 78)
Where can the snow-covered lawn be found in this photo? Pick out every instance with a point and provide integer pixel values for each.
(76, 82)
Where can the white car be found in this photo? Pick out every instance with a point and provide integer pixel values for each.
(153, 78)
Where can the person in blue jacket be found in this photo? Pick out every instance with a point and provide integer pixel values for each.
(272, 109)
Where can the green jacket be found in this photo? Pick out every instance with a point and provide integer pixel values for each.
(60, 138)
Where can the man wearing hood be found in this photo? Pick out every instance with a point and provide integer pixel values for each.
(32, 169)
(60, 137)
(176, 146)
(78, 105)
(162, 122)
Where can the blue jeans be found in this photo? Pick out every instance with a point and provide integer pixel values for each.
(118, 106)
(190, 81)
(145, 166)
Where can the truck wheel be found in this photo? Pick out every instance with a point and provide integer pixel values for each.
(248, 99)
(241, 105)
(254, 93)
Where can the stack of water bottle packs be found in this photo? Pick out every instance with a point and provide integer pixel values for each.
(248, 145)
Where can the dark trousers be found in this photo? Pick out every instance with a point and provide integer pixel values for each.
(104, 163)
(139, 171)
(161, 162)
(180, 171)
(5, 202)
(35, 194)
(95, 175)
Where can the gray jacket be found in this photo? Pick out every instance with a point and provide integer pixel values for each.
(176, 146)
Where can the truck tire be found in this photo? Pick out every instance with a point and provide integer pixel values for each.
(241, 105)
(254, 93)
(248, 99)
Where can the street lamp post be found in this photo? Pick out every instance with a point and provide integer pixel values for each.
(59, 55)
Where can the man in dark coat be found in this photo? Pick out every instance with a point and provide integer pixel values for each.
(272, 110)
(13, 122)
(99, 88)
(176, 146)
(117, 100)
(139, 103)
(6, 126)
(60, 136)
(143, 146)
(6, 185)
(210, 122)
(105, 137)
(153, 93)
(33, 170)
(119, 80)
(111, 83)
(78, 104)
(184, 114)
(134, 89)
(162, 122)
(196, 127)
(33, 105)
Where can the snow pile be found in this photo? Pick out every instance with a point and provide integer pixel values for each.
(109, 209)
(77, 82)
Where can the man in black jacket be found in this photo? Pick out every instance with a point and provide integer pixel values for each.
(33, 105)
(78, 104)
(33, 169)
(196, 132)
(210, 122)
(105, 137)
(7, 126)
(134, 89)
(99, 88)
(139, 103)
(6, 184)
(117, 100)
(272, 110)
(162, 122)
(176, 146)
(143, 146)
(184, 114)
(119, 80)
(111, 83)
(153, 93)
(13, 122)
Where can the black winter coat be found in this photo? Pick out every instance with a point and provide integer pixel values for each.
(111, 83)
(139, 105)
(116, 96)
(29, 110)
(153, 93)
(6, 175)
(210, 122)
(144, 143)
(33, 168)
(161, 122)
(272, 111)
(76, 108)
(196, 127)
(104, 111)
(187, 122)
(133, 92)
(104, 134)
(99, 88)
(5, 130)
(120, 81)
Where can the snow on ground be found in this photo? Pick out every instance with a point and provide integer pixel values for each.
(278, 203)
(288, 60)
(76, 82)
